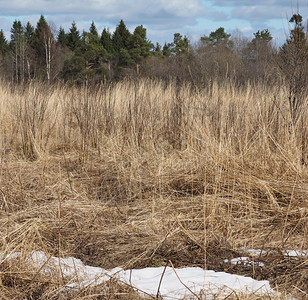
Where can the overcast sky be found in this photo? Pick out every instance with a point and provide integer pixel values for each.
(162, 18)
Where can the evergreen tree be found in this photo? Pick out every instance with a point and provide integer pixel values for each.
(106, 41)
(29, 57)
(297, 34)
(139, 46)
(125, 60)
(218, 38)
(294, 66)
(260, 48)
(29, 33)
(4, 47)
(167, 49)
(121, 37)
(180, 44)
(263, 35)
(73, 37)
(18, 47)
(93, 29)
(73, 69)
(17, 31)
(91, 36)
(40, 29)
(158, 50)
(62, 38)
(87, 63)
(44, 45)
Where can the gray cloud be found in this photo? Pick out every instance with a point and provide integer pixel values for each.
(161, 17)
(151, 12)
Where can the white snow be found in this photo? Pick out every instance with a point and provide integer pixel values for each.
(290, 253)
(207, 283)
(296, 253)
(244, 261)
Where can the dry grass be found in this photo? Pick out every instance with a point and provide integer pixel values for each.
(139, 173)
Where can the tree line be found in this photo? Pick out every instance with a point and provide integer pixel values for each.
(44, 53)
(41, 53)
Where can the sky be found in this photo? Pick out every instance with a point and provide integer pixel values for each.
(162, 18)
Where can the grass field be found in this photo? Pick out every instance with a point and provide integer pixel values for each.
(138, 173)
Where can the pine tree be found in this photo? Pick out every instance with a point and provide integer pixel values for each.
(158, 50)
(86, 65)
(167, 49)
(139, 45)
(218, 38)
(180, 44)
(260, 48)
(263, 35)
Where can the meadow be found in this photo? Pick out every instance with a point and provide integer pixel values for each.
(142, 172)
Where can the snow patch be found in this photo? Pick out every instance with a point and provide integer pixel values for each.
(244, 261)
(175, 283)
(290, 253)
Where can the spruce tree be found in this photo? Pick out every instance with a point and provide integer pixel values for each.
(41, 27)
(17, 31)
(73, 37)
(93, 29)
(121, 37)
(17, 45)
(106, 41)
(4, 47)
(42, 30)
(91, 36)
(62, 38)
(29, 36)
(44, 46)
(29, 33)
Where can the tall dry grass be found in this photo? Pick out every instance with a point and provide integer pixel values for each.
(137, 173)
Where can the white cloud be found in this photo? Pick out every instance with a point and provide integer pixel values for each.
(262, 10)
(278, 3)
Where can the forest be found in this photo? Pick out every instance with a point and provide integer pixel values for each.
(45, 53)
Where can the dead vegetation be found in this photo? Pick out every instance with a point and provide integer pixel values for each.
(135, 174)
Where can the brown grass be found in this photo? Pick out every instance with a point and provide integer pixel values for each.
(138, 173)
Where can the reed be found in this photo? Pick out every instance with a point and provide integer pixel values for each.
(149, 172)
